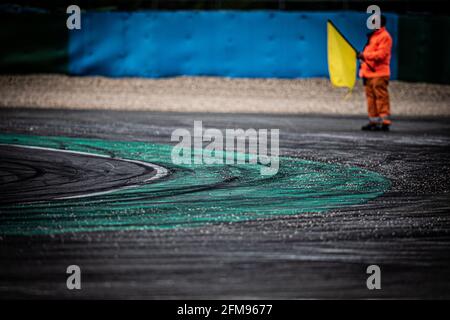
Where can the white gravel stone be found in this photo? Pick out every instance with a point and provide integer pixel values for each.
(211, 94)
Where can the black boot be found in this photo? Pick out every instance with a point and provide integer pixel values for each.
(371, 126)
(384, 127)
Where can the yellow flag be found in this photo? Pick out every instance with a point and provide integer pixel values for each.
(341, 59)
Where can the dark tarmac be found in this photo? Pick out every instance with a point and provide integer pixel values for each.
(34, 174)
(406, 231)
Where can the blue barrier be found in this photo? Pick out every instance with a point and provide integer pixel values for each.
(218, 43)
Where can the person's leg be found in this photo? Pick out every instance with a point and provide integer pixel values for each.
(371, 105)
(382, 100)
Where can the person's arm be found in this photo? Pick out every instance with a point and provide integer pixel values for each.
(381, 52)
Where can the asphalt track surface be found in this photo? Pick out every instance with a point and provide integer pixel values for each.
(34, 174)
(312, 254)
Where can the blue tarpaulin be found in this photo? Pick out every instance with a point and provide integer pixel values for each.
(217, 43)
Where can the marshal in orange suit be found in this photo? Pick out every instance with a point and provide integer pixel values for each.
(375, 72)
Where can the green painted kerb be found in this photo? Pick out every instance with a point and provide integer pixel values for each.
(192, 195)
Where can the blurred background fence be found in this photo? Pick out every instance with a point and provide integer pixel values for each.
(223, 38)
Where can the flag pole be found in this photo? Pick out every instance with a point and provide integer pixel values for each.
(342, 35)
(350, 44)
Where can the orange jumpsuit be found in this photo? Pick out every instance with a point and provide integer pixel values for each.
(375, 71)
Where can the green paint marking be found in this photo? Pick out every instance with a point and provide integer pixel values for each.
(186, 198)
